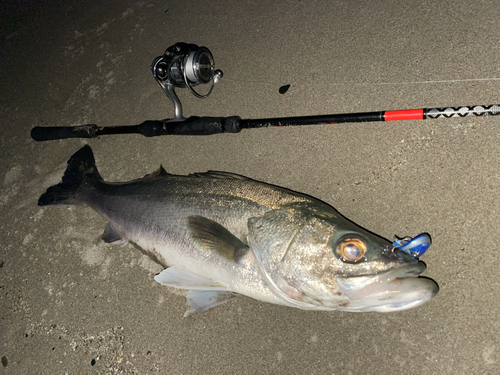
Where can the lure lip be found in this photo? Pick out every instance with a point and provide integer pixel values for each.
(415, 246)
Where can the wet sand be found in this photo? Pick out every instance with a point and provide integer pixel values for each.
(72, 304)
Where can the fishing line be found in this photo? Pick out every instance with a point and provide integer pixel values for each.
(370, 83)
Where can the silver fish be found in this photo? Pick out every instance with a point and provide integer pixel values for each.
(221, 234)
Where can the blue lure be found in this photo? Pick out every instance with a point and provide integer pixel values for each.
(414, 246)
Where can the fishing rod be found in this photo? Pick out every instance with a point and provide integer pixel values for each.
(188, 65)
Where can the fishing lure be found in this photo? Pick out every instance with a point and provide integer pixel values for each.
(416, 246)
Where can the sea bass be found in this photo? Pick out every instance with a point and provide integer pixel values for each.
(220, 235)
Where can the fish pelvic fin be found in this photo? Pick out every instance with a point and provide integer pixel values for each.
(81, 168)
(179, 277)
(202, 300)
(204, 293)
(213, 237)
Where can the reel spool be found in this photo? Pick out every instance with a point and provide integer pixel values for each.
(185, 65)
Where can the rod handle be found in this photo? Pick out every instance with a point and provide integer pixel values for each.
(191, 126)
(151, 128)
(50, 133)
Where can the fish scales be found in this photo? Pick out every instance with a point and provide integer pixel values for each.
(152, 213)
(221, 234)
(160, 207)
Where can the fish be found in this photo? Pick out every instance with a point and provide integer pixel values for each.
(220, 235)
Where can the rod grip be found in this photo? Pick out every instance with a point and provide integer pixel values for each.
(192, 126)
(50, 133)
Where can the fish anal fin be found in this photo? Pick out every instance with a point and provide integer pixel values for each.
(111, 235)
(213, 237)
(202, 300)
(179, 277)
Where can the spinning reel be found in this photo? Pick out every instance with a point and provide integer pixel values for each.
(185, 65)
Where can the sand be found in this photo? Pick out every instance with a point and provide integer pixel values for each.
(70, 304)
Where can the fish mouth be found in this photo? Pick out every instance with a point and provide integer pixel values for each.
(397, 289)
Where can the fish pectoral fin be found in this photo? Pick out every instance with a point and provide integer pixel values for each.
(111, 235)
(213, 237)
(179, 277)
(202, 300)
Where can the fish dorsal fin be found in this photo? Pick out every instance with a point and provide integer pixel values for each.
(179, 277)
(160, 172)
(214, 238)
(202, 300)
(219, 174)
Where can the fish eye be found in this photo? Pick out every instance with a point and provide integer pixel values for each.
(351, 249)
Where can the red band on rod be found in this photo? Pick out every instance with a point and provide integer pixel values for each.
(409, 114)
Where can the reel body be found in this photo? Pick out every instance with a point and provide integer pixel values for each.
(185, 65)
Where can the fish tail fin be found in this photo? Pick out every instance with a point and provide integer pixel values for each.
(81, 168)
